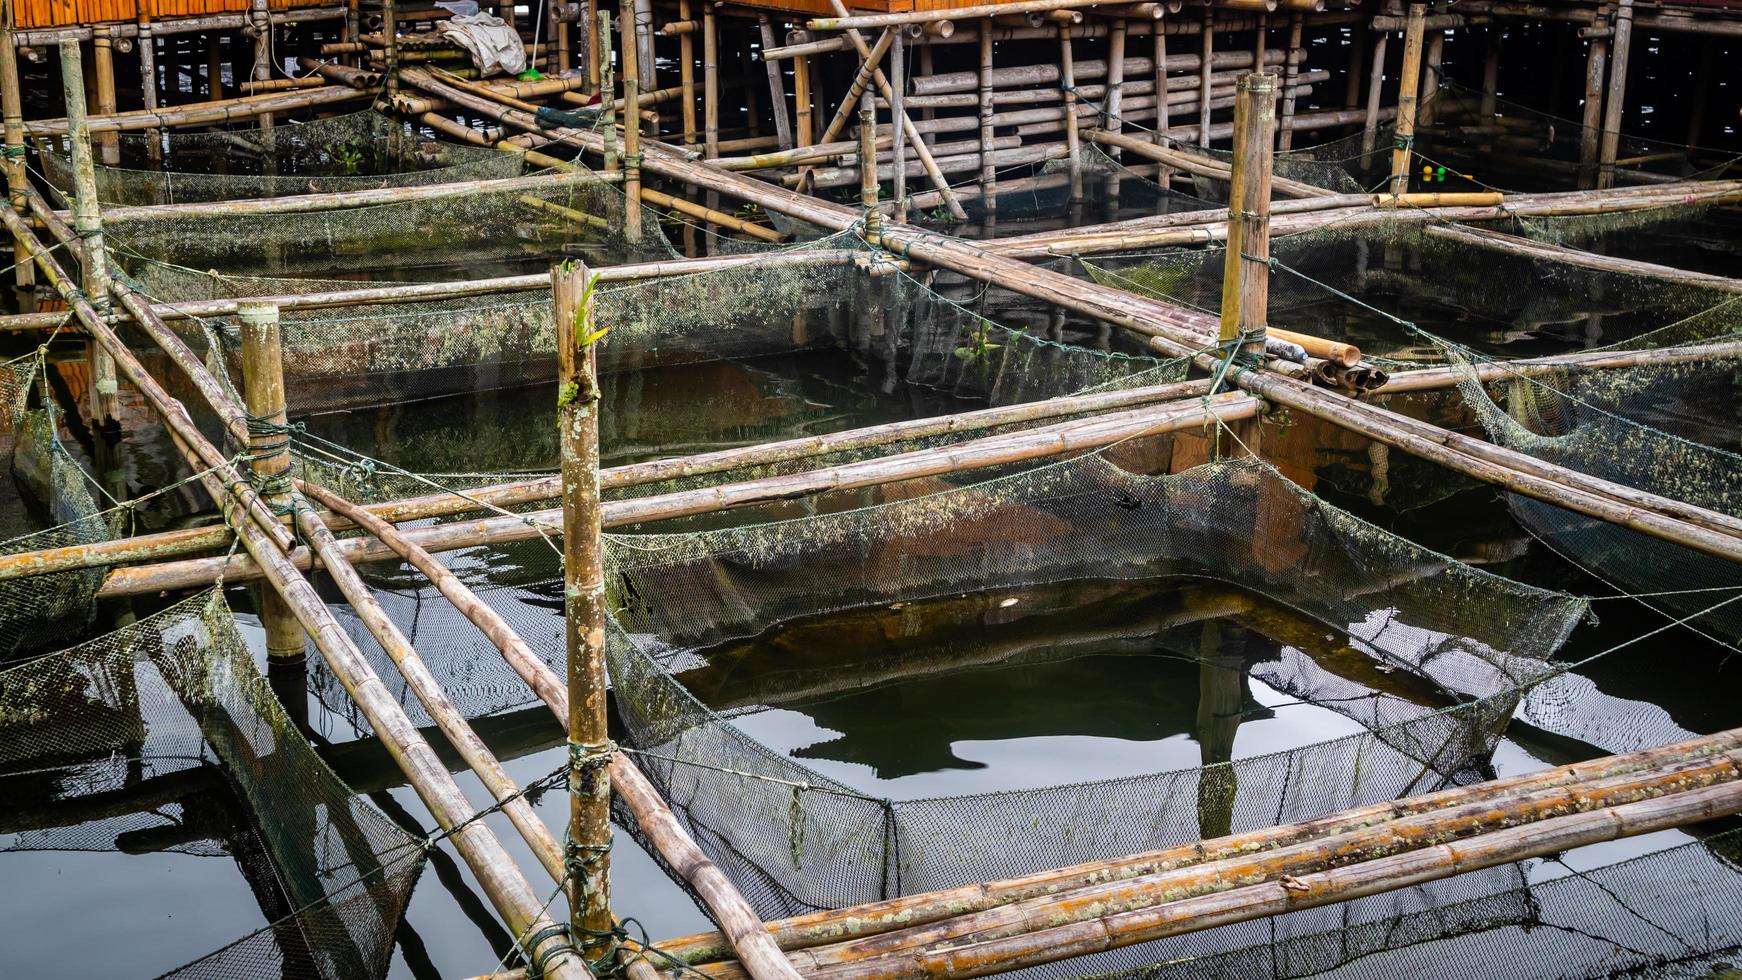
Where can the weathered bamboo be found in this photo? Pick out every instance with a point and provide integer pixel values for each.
(88, 221)
(207, 113)
(1296, 24)
(1159, 63)
(508, 891)
(1375, 87)
(628, 58)
(167, 544)
(1246, 262)
(1073, 140)
(1436, 199)
(686, 69)
(269, 452)
(1311, 890)
(1070, 924)
(710, 83)
(898, 134)
(179, 25)
(1407, 84)
(1515, 245)
(1432, 62)
(1197, 163)
(948, 160)
(868, 166)
(1115, 100)
(842, 21)
(850, 102)
(988, 171)
(13, 158)
(804, 120)
(103, 65)
(820, 928)
(776, 85)
(1615, 102)
(340, 200)
(1049, 74)
(1206, 59)
(925, 157)
(590, 747)
(1029, 444)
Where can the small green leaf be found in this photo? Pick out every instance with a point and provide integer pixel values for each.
(964, 353)
(589, 339)
(567, 393)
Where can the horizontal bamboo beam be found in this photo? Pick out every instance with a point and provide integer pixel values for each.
(1028, 444)
(948, 13)
(1514, 245)
(163, 26)
(1197, 163)
(207, 113)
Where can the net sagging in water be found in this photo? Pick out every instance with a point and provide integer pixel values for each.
(796, 839)
(171, 709)
(356, 151)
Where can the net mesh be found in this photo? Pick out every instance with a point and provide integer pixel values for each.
(172, 709)
(357, 151)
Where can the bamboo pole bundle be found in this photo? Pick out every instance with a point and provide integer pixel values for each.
(513, 898)
(206, 113)
(1025, 95)
(971, 161)
(166, 544)
(844, 925)
(1040, 75)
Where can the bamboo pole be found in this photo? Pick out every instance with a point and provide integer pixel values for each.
(495, 872)
(1490, 73)
(1591, 131)
(1073, 140)
(776, 85)
(147, 41)
(898, 135)
(608, 86)
(1296, 24)
(206, 113)
(1049, 74)
(340, 200)
(925, 157)
(1159, 63)
(868, 167)
(631, 69)
(165, 544)
(1245, 269)
(1615, 103)
(1206, 58)
(1029, 444)
(1432, 62)
(269, 452)
(710, 83)
(686, 67)
(850, 102)
(843, 22)
(1202, 164)
(1244, 904)
(988, 171)
(260, 28)
(1115, 99)
(1375, 88)
(103, 66)
(590, 748)
(13, 157)
(1515, 245)
(88, 222)
(831, 926)
(1407, 83)
(804, 123)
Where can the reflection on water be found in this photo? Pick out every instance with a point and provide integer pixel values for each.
(1020, 688)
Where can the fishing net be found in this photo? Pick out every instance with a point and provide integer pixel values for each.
(545, 216)
(357, 151)
(164, 736)
(799, 839)
(1666, 426)
(1676, 911)
(808, 298)
(40, 611)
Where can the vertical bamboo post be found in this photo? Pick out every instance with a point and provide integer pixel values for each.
(710, 82)
(1206, 51)
(1164, 175)
(589, 835)
(776, 85)
(1068, 84)
(804, 132)
(1491, 75)
(17, 176)
(1356, 70)
(148, 84)
(1260, 40)
(269, 460)
(353, 31)
(1245, 268)
(103, 66)
(557, 29)
(1408, 81)
(1115, 101)
(1375, 91)
(1591, 128)
(630, 58)
(88, 222)
(1430, 77)
(214, 67)
(1291, 70)
(868, 167)
(590, 43)
(926, 68)
(608, 88)
(260, 19)
(1615, 102)
(686, 72)
(390, 35)
(897, 132)
(647, 60)
(988, 172)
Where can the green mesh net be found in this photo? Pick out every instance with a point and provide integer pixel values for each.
(171, 709)
(357, 151)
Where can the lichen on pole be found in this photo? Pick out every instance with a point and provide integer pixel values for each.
(588, 849)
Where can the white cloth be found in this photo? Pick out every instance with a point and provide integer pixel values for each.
(494, 46)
